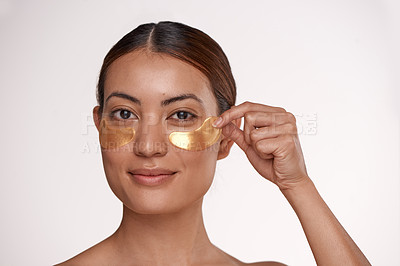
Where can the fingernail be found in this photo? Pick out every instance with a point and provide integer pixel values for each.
(217, 122)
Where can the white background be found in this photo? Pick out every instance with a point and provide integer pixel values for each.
(331, 63)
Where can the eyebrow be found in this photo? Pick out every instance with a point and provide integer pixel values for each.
(181, 97)
(123, 96)
(166, 102)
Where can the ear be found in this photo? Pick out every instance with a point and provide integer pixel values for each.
(96, 116)
(226, 143)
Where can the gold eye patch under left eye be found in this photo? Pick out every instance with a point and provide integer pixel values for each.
(199, 139)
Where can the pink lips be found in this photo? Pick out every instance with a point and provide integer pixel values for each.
(151, 177)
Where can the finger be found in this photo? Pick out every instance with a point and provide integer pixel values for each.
(247, 128)
(261, 119)
(239, 111)
(273, 146)
(272, 132)
(254, 120)
(234, 133)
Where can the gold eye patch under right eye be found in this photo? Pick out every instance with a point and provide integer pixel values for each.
(111, 138)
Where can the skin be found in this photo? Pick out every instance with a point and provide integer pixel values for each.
(164, 225)
(270, 140)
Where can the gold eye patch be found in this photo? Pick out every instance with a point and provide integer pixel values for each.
(206, 135)
(199, 139)
(114, 137)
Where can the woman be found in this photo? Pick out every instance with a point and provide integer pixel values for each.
(165, 79)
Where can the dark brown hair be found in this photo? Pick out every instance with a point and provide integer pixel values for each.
(185, 43)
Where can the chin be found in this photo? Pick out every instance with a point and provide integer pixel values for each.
(153, 207)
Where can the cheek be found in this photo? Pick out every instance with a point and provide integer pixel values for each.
(113, 163)
(199, 168)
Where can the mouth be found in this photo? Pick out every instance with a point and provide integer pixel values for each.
(152, 177)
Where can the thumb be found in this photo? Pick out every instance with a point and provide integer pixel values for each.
(234, 133)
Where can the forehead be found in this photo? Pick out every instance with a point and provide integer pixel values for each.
(152, 77)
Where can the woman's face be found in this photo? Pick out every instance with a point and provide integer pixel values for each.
(148, 87)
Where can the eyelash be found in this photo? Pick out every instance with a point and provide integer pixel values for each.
(190, 119)
(112, 114)
(191, 115)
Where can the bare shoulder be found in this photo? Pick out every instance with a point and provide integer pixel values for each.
(266, 263)
(95, 255)
(101, 254)
(86, 257)
(237, 262)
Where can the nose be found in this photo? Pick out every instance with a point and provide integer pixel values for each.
(150, 139)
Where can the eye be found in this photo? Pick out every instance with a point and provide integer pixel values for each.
(122, 114)
(183, 116)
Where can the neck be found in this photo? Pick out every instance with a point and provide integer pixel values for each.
(176, 238)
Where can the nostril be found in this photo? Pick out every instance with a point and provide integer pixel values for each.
(150, 147)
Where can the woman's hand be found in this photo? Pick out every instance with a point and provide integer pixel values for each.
(270, 141)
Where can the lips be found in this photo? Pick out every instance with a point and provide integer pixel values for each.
(152, 177)
(152, 172)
